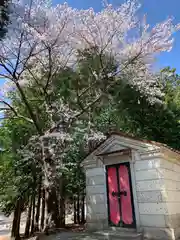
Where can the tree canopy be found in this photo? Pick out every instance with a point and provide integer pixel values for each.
(71, 75)
(4, 17)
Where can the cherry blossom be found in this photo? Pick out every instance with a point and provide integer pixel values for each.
(41, 33)
(43, 38)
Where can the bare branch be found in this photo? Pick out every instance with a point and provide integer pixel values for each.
(7, 69)
(50, 68)
(9, 106)
(26, 102)
(19, 53)
(25, 61)
(13, 110)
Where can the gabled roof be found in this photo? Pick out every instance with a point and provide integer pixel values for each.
(129, 136)
(158, 144)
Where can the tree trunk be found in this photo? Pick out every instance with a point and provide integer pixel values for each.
(38, 209)
(78, 209)
(82, 210)
(62, 211)
(62, 202)
(16, 221)
(52, 208)
(28, 221)
(75, 211)
(52, 184)
(33, 213)
(43, 210)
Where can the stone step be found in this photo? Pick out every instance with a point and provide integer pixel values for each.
(100, 235)
(119, 235)
(119, 229)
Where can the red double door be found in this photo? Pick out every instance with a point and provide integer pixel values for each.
(119, 193)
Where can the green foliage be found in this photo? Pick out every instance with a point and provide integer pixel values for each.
(74, 178)
(158, 121)
(17, 173)
(4, 16)
(123, 108)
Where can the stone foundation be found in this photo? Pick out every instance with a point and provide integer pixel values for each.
(173, 221)
(101, 225)
(158, 234)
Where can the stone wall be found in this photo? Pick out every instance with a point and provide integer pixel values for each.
(148, 185)
(170, 172)
(96, 203)
(158, 196)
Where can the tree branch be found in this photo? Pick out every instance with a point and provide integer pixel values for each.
(23, 96)
(19, 53)
(10, 108)
(99, 97)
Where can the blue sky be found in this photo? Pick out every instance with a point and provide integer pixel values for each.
(157, 10)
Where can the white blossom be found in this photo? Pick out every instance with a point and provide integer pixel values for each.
(43, 38)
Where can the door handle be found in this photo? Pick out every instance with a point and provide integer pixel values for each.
(118, 194)
(123, 193)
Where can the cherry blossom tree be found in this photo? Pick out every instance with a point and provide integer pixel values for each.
(44, 40)
(3, 17)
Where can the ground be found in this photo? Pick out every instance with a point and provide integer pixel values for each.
(71, 236)
(6, 223)
(70, 233)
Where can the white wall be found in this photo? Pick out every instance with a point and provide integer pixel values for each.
(96, 203)
(170, 172)
(149, 186)
(158, 193)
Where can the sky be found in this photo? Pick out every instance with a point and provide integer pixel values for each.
(157, 11)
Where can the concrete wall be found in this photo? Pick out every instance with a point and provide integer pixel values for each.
(158, 196)
(170, 172)
(96, 203)
(149, 186)
(156, 191)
